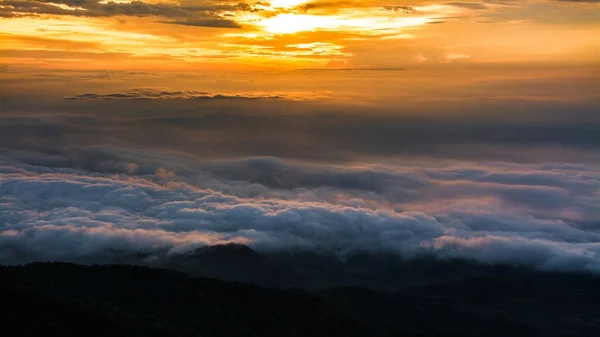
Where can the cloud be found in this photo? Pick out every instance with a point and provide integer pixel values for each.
(152, 94)
(404, 9)
(207, 22)
(206, 13)
(581, 1)
(539, 215)
(451, 57)
(468, 5)
(548, 255)
(289, 121)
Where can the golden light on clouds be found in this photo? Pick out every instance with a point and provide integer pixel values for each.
(67, 7)
(290, 23)
(298, 33)
(287, 3)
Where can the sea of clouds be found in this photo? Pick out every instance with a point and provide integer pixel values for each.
(542, 215)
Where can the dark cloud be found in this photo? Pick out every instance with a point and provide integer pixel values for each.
(202, 13)
(404, 9)
(178, 95)
(469, 5)
(210, 22)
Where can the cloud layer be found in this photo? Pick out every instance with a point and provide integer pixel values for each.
(204, 14)
(150, 94)
(543, 215)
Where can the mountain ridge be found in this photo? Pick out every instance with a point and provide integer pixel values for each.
(123, 300)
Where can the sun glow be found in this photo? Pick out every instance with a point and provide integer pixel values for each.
(294, 23)
(281, 33)
(286, 3)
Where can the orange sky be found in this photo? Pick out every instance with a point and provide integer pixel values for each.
(291, 34)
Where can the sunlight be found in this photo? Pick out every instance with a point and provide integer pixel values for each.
(286, 3)
(293, 23)
(67, 7)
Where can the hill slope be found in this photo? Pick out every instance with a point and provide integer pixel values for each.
(56, 299)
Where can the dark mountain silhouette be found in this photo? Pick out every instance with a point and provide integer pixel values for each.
(234, 262)
(311, 270)
(58, 299)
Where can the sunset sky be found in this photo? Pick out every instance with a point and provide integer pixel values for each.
(291, 34)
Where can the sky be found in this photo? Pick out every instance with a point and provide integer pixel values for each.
(447, 129)
(292, 34)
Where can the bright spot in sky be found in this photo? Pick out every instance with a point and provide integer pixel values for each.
(286, 3)
(293, 23)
